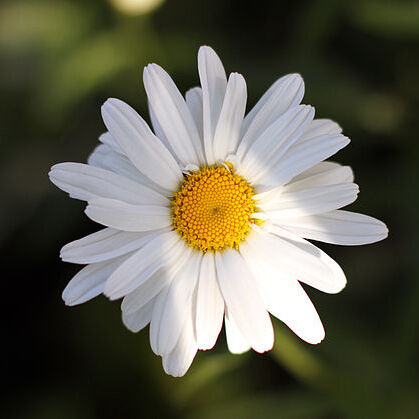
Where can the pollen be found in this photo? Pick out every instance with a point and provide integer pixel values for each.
(212, 208)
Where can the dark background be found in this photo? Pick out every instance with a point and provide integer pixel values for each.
(60, 60)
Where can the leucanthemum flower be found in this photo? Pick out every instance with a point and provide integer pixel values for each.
(206, 216)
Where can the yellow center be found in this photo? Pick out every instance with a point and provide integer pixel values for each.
(212, 209)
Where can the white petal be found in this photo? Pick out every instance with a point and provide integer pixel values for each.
(193, 99)
(106, 158)
(177, 362)
(103, 245)
(107, 139)
(158, 129)
(284, 94)
(338, 227)
(214, 83)
(235, 341)
(227, 132)
(308, 201)
(152, 286)
(158, 253)
(321, 127)
(138, 319)
(89, 282)
(158, 308)
(302, 156)
(87, 182)
(289, 303)
(324, 166)
(265, 152)
(173, 115)
(323, 174)
(243, 300)
(285, 299)
(295, 258)
(336, 175)
(178, 304)
(143, 148)
(209, 304)
(127, 217)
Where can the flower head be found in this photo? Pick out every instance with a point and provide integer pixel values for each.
(206, 216)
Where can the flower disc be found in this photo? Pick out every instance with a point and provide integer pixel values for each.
(212, 209)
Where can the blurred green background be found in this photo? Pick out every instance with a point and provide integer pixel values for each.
(61, 59)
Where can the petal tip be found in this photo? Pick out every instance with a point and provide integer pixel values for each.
(206, 49)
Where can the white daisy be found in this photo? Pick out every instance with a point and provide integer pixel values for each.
(206, 218)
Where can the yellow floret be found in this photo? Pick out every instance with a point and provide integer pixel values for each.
(212, 208)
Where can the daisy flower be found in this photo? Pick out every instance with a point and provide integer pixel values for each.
(207, 215)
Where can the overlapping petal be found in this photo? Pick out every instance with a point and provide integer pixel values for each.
(133, 134)
(103, 245)
(236, 342)
(128, 217)
(214, 84)
(227, 132)
(209, 305)
(300, 203)
(295, 258)
(138, 319)
(194, 99)
(178, 361)
(90, 281)
(285, 298)
(269, 147)
(105, 157)
(284, 94)
(243, 300)
(173, 115)
(159, 253)
(338, 227)
(87, 182)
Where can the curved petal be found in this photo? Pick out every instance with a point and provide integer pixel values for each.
(104, 245)
(243, 300)
(107, 139)
(325, 175)
(156, 314)
(338, 227)
(285, 299)
(236, 343)
(138, 319)
(319, 168)
(158, 129)
(178, 361)
(178, 304)
(267, 150)
(173, 115)
(227, 132)
(209, 304)
(334, 176)
(127, 217)
(315, 200)
(321, 127)
(159, 253)
(106, 158)
(295, 258)
(284, 94)
(90, 281)
(193, 99)
(214, 83)
(143, 148)
(302, 156)
(152, 286)
(88, 182)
